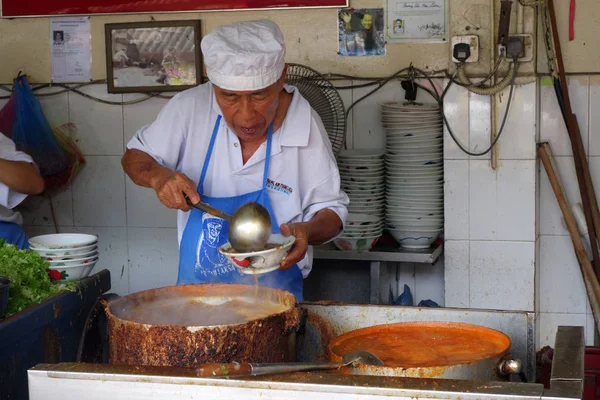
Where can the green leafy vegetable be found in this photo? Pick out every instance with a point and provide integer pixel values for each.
(29, 274)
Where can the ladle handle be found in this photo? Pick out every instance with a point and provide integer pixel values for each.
(206, 208)
(247, 369)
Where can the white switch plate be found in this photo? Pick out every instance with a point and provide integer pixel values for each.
(472, 41)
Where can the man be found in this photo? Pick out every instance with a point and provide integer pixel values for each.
(18, 178)
(243, 137)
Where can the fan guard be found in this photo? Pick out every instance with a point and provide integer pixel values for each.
(324, 99)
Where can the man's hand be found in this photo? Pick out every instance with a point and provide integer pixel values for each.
(323, 226)
(298, 251)
(170, 187)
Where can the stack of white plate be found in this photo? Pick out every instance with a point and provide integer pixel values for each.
(363, 179)
(361, 232)
(415, 172)
(76, 254)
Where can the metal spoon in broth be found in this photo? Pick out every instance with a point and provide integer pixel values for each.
(249, 226)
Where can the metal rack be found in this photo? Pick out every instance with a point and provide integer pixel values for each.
(380, 260)
(386, 254)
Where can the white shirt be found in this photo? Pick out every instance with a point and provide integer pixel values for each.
(303, 174)
(9, 199)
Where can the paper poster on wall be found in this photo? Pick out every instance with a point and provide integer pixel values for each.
(361, 32)
(70, 46)
(416, 20)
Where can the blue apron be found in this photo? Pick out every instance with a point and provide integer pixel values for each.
(13, 234)
(199, 257)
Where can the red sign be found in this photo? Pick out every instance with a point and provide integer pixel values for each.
(25, 8)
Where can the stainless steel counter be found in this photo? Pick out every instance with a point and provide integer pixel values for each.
(323, 322)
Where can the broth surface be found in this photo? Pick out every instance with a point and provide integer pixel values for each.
(412, 345)
(188, 311)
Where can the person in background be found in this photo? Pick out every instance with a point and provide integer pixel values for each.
(19, 177)
(244, 136)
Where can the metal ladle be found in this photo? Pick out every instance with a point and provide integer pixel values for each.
(247, 369)
(249, 226)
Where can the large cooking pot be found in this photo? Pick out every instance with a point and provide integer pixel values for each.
(187, 325)
(430, 350)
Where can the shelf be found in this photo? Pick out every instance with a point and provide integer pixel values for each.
(386, 254)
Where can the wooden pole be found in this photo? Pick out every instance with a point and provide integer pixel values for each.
(589, 277)
(586, 187)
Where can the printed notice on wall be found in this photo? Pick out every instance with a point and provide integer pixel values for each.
(416, 20)
(70, 46)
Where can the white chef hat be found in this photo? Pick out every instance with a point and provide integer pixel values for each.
(244, 55)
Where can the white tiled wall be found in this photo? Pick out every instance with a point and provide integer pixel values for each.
(562, 295)
(137, 234)
(490, 214)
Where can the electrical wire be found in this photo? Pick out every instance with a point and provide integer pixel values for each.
(75, 89)
(413, 74)
(502, 125)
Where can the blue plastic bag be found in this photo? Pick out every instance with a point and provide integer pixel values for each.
(406, 298)
(32, 134)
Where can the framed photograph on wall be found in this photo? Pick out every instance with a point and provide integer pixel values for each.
(156, 56)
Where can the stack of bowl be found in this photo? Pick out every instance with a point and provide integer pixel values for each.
(361, 232)
(362, 173)
(75, 254)
(415, 180)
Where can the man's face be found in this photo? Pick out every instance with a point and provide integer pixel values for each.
(367, 21)
(249, 113)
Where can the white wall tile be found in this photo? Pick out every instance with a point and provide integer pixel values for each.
(511, 264)
(456, 109)
(502, 202)
(590, 326)
(36, 210)
(538, 172)
(483, 201)
(33, 231)
(456, 273)
(548, 324)
(479, 125)
(55, 107)
(538, 277)
(99, 125)
(153, 256)
(367, 130)
(347, 99)
(456, 199)
(139, 114)
(112, 248)
(144, 210)
(516, 200)
(99, 193)
(552, 125)
(519, 133)
(551, 220)
(429, 282)
(561, 286)
(594, 128)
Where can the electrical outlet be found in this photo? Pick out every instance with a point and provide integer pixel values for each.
(472, 41)
(528, 46)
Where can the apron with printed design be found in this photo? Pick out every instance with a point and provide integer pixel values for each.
(199, 257)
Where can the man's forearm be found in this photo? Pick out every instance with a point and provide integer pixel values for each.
(323, 226)
(143, 169)
(20, 176)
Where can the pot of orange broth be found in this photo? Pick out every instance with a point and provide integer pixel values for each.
(188, 325)
(430, 350)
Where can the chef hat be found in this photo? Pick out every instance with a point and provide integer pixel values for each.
(244, 55)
